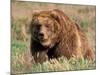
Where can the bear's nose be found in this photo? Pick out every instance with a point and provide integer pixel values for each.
(41, 35)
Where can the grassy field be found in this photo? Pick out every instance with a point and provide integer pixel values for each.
(21, 14)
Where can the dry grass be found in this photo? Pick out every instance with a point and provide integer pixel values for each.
(21, 14)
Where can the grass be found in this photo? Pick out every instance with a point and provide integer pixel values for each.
(19, 64)
(82, 15)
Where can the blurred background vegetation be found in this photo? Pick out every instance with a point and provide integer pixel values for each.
(21, 12)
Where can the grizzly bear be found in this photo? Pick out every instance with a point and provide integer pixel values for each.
(54, 35)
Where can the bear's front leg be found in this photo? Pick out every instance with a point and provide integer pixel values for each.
(39, 56)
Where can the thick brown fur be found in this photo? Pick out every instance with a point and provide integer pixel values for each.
(67, 40)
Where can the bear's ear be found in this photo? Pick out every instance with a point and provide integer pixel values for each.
(34, 15)
(54, 14)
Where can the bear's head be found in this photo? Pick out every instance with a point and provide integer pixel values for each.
(45, 28)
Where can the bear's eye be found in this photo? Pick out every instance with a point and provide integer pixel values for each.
(37, 26)
(48, 25)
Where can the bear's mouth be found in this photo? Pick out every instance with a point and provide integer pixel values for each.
(45, 42)
(42, 39)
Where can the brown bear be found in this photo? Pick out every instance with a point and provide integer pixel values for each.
(53, 35)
